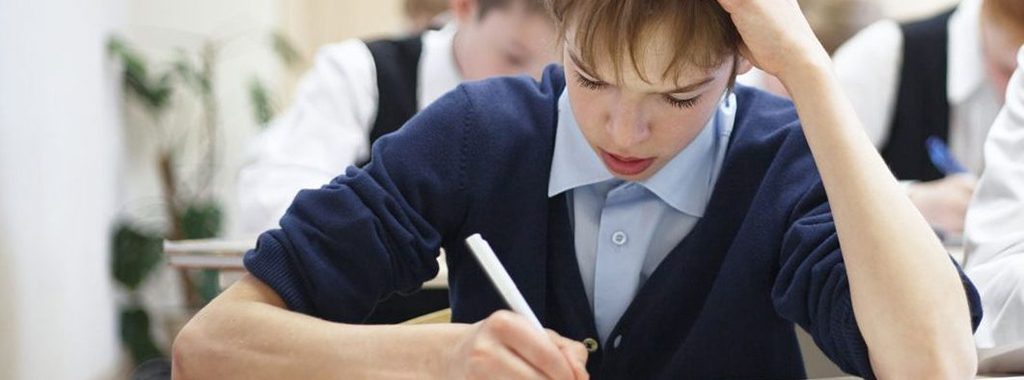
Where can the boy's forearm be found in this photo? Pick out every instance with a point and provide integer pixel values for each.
(237, 336)
(909, 302)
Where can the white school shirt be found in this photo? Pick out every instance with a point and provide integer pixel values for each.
(868, 67)
(994, 234)
(328, 127)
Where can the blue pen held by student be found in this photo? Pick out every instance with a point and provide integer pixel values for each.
(942, 158)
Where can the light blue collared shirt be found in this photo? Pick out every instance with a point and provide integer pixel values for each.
(622, 229)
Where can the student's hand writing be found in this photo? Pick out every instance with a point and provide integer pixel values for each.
(776, 36)
(944, 202)
(507, 346)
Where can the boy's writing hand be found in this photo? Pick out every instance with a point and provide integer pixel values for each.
(507, 346)
(776, 36)
(944, 202)
(574, 352)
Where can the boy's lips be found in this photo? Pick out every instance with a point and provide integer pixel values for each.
(626, 166)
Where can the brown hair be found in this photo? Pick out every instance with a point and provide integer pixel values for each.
(701, 29)
(1008, 13)
(484, 6)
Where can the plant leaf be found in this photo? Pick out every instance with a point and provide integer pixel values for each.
(201, 220)
(285, 49)
(136, 336)
(262, 106)
(135, 254)
(153, 94)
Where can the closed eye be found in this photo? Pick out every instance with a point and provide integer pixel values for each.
(682, 103)
(589, 83)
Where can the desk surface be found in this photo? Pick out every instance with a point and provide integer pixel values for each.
(226, 255)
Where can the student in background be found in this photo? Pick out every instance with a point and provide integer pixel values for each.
(995, 225)
(358, 91)
(943, 77)
(641, 203)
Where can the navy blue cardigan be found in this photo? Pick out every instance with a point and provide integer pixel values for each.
(722, 304)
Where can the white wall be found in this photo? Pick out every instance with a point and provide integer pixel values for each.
(59, 151)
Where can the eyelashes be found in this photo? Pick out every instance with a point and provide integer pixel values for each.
(674, 102)
(682, 103)
(589, 84)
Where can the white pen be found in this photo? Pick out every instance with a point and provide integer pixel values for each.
(485, 255)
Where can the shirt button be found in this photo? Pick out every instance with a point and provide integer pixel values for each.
(619, 238)
(590, 344)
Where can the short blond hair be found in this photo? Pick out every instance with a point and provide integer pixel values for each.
(701, 29)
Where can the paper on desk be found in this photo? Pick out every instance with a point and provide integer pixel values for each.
(1002, 359)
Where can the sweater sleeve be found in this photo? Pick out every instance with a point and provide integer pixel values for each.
(376, 230)
(812, 288)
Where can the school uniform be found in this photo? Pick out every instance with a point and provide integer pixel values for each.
(911, 81)
(752, 247)
(356, 92)
(994, 229)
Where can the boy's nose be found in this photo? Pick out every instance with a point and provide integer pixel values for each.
(627, 127)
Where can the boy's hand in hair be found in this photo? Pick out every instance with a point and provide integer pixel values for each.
(776, 36)
(506, 346)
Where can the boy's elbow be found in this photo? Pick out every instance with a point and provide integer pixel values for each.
(950, 362)
(182, 348)
(954, 365)
(192, 351)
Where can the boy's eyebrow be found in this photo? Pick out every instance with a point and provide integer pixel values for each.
(576, 61)
(692, 86)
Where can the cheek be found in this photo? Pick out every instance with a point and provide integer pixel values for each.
(486, 62)
(590, 109)
(482, 58)
(673, 129)
(999, 76)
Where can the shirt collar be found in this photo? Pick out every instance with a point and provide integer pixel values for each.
(438, 72)
(966, 61)
(685, 183)
(574, 163)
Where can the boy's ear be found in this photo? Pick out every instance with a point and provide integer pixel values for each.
(743, 64)
(463, 11)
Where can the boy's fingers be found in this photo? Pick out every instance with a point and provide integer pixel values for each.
(579, 366)
(576, 350)
(575, 353)
(509, 365)
(525, 341)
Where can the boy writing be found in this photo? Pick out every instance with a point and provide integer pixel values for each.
(638, 141)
